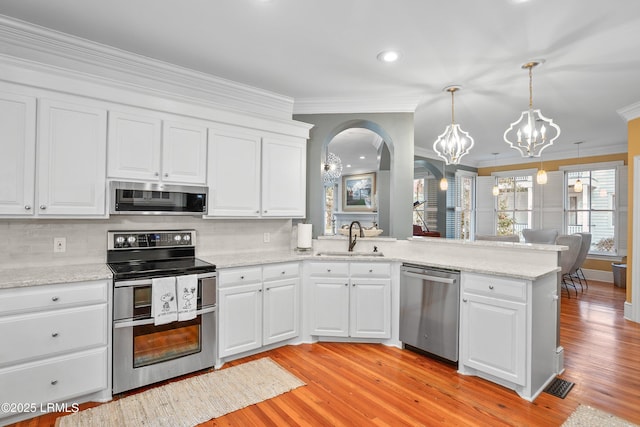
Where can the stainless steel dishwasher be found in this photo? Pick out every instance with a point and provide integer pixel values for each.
(430, 309)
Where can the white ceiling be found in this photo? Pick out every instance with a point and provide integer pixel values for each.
(323, 53)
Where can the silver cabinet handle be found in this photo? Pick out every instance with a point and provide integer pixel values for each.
(27, 207)
(54, 299)
(55, 334)
(54, 382)
(43, 207)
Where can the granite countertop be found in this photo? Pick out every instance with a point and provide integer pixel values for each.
(37, 275)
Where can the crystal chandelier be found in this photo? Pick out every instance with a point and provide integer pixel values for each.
(332, 169)
(454, 142)
(532, 132)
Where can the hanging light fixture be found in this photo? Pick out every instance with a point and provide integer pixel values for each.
(541, 176)
(454, 142)
(495, 190)
(532, 132)
(577, 186)
(444, 184)
(332, 169)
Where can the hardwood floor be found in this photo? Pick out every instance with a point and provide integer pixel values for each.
(368, 384)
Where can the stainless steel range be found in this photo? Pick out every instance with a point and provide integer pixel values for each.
(164, 307)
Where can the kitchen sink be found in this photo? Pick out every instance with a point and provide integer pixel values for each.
(350, 254)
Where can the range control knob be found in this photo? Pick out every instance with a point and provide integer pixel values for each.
(177, 238)
(131, 240)
(120, 240)
(186, 238)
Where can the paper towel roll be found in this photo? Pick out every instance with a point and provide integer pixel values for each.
(304, 236)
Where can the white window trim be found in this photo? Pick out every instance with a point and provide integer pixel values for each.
(592, 166)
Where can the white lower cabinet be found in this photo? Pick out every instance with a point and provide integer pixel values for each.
(257, 306)
(55, 345)
(508, 331)
(350, 299)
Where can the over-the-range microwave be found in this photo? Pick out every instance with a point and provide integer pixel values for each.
(139, 198)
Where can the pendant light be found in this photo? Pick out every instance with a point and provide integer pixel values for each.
(454, 142)
(495, 190)
(541, 176)
(444, 184)
(577, 186)
(532, 132)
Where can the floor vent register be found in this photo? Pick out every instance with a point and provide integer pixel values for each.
(559, 388)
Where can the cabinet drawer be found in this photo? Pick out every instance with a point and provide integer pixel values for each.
(239, 276)
(327, 269)
(46, 297)
(280, 271)
(55, 380)
(500, 287)
(370, 269)
(28, 336)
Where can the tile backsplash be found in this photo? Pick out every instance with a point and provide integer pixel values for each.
(30, 242)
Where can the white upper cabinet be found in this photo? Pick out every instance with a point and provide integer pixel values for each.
(234, 174)
(18, 148)
(284, 169)
(252, 176)
(71, 158)
(147, 148)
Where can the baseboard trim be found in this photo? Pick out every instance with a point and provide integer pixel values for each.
(599, 275)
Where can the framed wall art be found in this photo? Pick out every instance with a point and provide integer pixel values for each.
(358, 192)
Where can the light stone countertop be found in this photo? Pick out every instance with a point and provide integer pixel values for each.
(37, 275)
(395, 251)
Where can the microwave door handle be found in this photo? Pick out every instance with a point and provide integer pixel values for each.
(149, 321)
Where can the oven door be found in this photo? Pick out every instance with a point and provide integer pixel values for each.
(144, 353)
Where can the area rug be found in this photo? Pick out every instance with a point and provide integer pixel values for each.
(586, 416)
(193, 400)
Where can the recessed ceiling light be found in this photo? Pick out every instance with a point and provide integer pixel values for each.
(348, 166)
(388, 56)
(361, 157)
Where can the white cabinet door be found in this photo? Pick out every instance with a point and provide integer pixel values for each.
(72, 142)
(18, 153)
(184, 153)
(234, 174)
(281, 310)
(284, 169)
(494, 336)
(134, 146)
(240, 319)
(370, 308)
(329, 307)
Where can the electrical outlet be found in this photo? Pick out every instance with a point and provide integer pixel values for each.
(59, 244)
(266, 237)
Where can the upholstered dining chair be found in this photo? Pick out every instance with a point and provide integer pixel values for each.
(568, 258)
(576, 270)
(505, 238)
(543, 235)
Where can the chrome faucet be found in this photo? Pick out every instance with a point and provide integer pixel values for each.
(352, 243)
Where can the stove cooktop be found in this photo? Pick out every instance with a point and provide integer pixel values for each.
(159, 268)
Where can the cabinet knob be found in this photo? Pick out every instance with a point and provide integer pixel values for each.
(27, 207)
(490, 286)
(370, 271)
(283, 272)
(268, 289)
(157, 173)
(260, 290)
(54, 382)
(242, 277)
(464, 300)
(353, 284)
(166, 175)
(346, 284)
(257, 212)
(55, 334)
(43, 207)
(54, 299)
(265, 211)
(328, 270)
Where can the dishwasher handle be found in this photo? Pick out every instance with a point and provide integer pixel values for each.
(446, 280)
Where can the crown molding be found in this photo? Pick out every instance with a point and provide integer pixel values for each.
(48, 47)
(630, 112)
(400, 104)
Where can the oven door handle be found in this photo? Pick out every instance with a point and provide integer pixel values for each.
(147, 282)
(117, 324)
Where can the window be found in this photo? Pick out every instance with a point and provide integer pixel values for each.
(464, 202)
(514, 204)
(593, 210)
